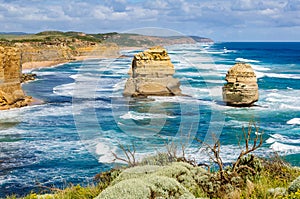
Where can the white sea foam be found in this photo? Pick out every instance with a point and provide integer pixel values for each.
(260, 68)
(48, 110)
(289, 107)
(294, 121)
(259, 74)
(281, 99)
(10, 114)
(178, 99)
(215, 81)
(285, 148)
(282, 139)
(246, 60)
(283, 76)
(64, 90)
(204, 51)
(45, 73)
(105, 151)
(141, 116)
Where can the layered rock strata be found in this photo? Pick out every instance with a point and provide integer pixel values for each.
(11, 93)
(241, 88)
(152, 73)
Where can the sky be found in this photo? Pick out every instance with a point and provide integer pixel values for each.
(221, 20)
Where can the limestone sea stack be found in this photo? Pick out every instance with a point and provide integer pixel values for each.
(11, 93)
(151, 73)
(241, 88)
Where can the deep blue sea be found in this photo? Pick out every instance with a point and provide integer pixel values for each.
(71, 137)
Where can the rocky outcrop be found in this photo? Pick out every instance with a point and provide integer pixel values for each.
(27, 77)
(11, 93)
(241, 88)
(152, 74)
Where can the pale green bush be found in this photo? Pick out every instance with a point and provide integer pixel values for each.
(149, 186)
(129, 189)
(160, 159)
(294, 186)
(176, 180)
(136, 172)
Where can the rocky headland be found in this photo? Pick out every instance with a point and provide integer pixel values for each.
(241, 88)
(152, 73)
(11, 93)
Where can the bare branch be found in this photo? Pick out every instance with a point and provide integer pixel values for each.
(129, 154)
(255, 145)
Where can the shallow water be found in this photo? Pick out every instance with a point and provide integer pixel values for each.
(71, 137)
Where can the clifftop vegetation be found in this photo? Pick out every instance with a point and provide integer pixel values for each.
(121, 39)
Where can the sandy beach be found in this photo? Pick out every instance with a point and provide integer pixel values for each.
(41, 64)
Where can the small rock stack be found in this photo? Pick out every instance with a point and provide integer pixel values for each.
(152, 74)
(241, 88)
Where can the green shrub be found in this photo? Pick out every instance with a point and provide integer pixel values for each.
(150, 186)
(294, 186)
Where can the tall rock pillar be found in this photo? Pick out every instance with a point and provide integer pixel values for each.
(151, 73)
(11, 93)
(241, 88)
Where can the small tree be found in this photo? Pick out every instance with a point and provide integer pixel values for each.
(246, 166)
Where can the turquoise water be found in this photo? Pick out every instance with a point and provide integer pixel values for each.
(71, 137)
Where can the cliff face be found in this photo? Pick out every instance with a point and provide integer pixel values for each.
(241, 88)
(152, 74)
(11, 93)
(63, 50)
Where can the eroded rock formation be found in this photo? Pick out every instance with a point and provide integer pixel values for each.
(152, 74)
(11, 93)
(241, 88)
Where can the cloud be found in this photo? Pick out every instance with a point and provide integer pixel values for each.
(218, 18)
(292, 5)
(246, 5)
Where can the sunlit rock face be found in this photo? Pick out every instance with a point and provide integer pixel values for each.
(152, 73)
(11, 93)
(241, 88)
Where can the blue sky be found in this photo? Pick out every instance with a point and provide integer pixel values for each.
(221, 20)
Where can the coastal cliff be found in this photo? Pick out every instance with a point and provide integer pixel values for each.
(241, 88)
(53, 47)
(11, 93)
(61, 50)
(152, 74)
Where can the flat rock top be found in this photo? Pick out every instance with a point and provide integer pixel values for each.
(154, 53)
(241, 68)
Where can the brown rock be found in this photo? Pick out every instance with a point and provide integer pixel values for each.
(11, 93)
(152, 74)
(241, 88)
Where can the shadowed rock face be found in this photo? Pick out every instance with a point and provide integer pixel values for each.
(11, 93)
(152, 74)
(241, 88)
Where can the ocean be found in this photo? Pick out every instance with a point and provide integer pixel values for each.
(84, 120)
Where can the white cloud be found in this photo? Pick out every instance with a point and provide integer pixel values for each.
(293, 5)
(219, 18)
(101, 12)
(246, 5)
